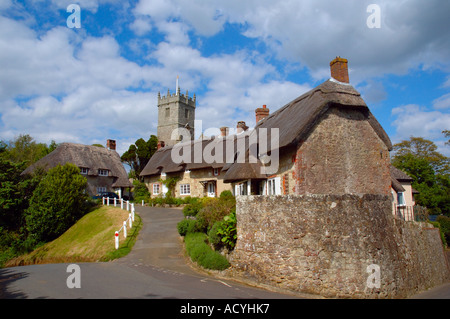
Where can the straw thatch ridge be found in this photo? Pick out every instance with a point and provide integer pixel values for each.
(85, 156)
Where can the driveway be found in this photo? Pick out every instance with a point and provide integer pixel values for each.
(155, 268)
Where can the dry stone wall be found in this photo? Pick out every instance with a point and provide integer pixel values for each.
(335, 246)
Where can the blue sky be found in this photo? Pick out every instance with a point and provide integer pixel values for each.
(101, 81)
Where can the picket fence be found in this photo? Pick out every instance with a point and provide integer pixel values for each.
(129, 220)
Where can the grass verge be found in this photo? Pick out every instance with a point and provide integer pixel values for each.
(201, 253)
(90, 239)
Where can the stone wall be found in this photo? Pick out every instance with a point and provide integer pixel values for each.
(342, 155)
(324, 244)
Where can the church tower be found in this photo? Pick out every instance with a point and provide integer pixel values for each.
(175, 111)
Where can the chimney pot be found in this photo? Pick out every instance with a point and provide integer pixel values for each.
(224, 131)
(261, 112)
(240, 127)
(339, 69)
(111, 145)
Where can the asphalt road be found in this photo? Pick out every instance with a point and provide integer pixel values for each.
(155, 269)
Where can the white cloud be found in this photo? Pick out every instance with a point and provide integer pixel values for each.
(442, 102)
(313, 32)
(414, 120)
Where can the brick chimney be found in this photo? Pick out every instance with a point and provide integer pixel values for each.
(224, 131)
(111, 145)
(261, 113)
(240, 127)
(160, 145)
(339, 69)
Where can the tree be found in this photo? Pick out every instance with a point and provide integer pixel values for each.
(428, 168)
(447, 135)
(11, 199)
(25, 149)
(425, 149)
(139, 154)
(57, 203)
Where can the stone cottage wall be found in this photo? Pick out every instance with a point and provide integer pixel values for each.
(324, 244)
(342, 155)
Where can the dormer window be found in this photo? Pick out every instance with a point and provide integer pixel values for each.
(84, 170)
(102, 172)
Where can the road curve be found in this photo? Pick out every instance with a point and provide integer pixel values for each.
(154, 269)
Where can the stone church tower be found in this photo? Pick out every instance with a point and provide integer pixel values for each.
(175, 111)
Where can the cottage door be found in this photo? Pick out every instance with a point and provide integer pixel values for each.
(211, 189)
(164, 190)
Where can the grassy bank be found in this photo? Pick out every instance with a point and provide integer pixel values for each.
(90, 239)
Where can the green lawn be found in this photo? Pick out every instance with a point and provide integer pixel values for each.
(90, 239)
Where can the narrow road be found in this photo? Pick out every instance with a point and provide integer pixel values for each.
(154, 269)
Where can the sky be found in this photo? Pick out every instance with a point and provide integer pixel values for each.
(100, 79)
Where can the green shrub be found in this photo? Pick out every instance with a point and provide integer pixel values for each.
(444, 221)
(57, 203)
(214, 210)
(201, 253)
(140, 192)
(213, 238)
(192, 209)
(226, 230)
(187, 226)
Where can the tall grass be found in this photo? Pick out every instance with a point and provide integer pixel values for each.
(90, 239)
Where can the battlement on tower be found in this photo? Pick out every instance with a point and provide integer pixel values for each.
(176, 97)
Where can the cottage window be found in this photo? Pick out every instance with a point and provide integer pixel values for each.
(273, 186)
(401, 199)
(156, 189)
(101, 190)
(216, 171)
(103, 172)
(185, 189)
(84, 170)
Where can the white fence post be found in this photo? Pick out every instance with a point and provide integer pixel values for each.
(142, 202)
(107, 199)
(103, 200)
(132, 212)
(125, 229)
(128, 206)
(121, 203)
(114, 202)
(116, 240)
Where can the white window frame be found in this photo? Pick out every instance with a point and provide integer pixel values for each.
(185, 189)
(273, 186)
(84, 170)
(401, 200)
(156, 189)
(103, 172)
(101, 189)
(216, 171)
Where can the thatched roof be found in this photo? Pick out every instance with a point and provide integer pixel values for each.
(204, 153)
(296, 119)
(85, 156)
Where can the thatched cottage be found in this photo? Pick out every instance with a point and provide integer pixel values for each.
(326, 141)
(101, 166)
